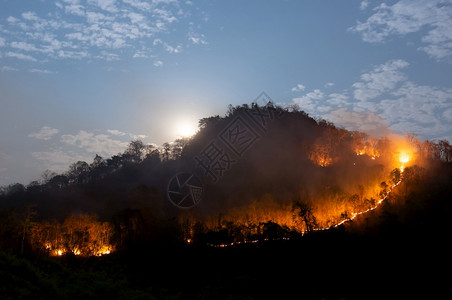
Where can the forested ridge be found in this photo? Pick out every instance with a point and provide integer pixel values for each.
(108, 226)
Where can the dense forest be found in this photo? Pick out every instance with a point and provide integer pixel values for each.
(273, 186)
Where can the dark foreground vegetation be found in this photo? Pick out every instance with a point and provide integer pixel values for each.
(119, 237)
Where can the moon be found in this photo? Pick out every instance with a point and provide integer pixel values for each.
(186, 129)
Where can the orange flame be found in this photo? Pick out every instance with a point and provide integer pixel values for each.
(404, 157)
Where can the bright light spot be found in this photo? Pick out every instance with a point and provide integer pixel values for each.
(404, 158)
(185, 129)
(188, 241)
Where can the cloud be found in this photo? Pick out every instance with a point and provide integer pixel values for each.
(309, 101)
(80, 147)
(116, 132)
(58, 160)
(363, 5)
(136, 17)
(168, 48)
(100, 29)
(11, 19)
(142, 5)
(42, 71)
(131, 135)
(299, 87)
(20, 56)
(381, 79)
(30, 16)
(447, 115)
(141, 54)
(75, 9)
(197, 38)
(338, 100)
(386, 98)
(8, 68)
(137, 136)
(107, 5)
(158, 63)
(23, 46)
(101, 144)
(431, 19)
(329, 84)
(368, 122)
(420, 107)
(45, 133)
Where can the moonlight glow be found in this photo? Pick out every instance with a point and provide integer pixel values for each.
(186, 129)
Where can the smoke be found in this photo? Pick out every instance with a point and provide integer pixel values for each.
(367, 122)
(300, 159)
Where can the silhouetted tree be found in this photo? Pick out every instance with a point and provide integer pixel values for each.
(178, 147)
(14, 189)
(47, 175)
(78, 172)
(204, 122)
(395, 175)
(166, 151)
(58, 182)
(445, 150)
(28, 214)
(304, 211)
(98, 162)
(135, 151)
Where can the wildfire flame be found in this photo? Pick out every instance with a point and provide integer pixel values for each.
(404, 157)
(371, 152)
(58, 252)
(104, 250)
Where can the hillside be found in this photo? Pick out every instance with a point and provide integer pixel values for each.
(268, 180)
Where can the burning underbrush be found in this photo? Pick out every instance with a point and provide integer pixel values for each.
(80, 235)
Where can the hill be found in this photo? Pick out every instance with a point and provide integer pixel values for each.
(268, 180)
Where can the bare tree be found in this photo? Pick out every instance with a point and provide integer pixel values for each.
(304, 211)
